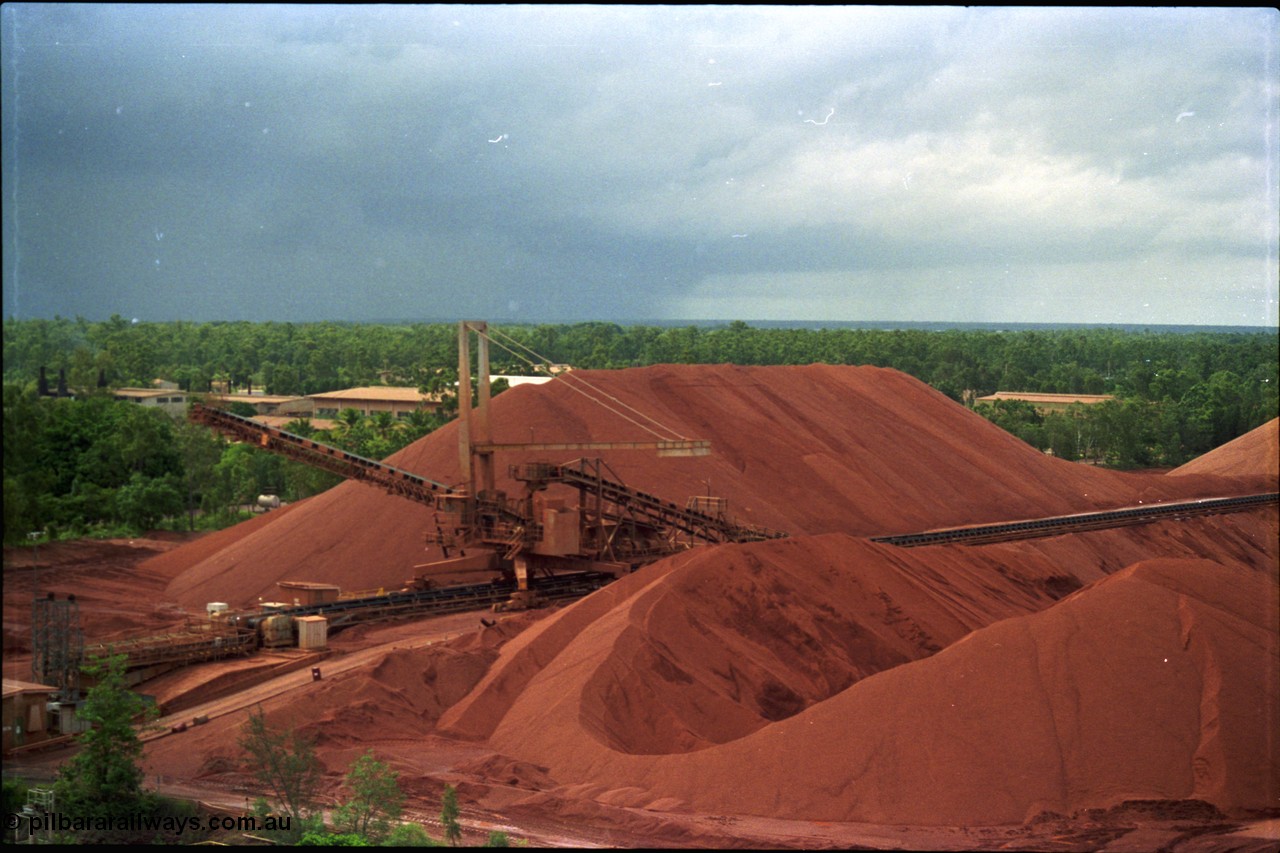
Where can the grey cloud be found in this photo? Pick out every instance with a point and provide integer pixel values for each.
(451, 159)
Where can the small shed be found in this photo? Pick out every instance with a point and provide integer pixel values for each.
(306, 593)
(25, 713)
(313, 632)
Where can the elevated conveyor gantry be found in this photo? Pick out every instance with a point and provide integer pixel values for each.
(619, 524)
(332, 459)
(587, 476)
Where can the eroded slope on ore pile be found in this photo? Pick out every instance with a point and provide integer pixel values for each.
(1157, 682)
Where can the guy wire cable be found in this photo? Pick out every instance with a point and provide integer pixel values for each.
(545, 362)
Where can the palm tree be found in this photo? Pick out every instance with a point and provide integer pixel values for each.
(347, 427)
(384, 424)
(419, 422)
(301, 426)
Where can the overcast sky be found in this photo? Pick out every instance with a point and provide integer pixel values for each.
(634, 163)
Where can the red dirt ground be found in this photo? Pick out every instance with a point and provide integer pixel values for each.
(1118, 687)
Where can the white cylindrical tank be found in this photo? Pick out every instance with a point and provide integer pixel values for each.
(269, 501)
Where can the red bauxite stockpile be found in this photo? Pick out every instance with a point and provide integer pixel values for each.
(808, 449)
(827, 677)
(712, 684)
(1254, 452)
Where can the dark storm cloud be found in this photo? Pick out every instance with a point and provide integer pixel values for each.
(640, 162)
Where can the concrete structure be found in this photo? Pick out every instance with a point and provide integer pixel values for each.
(26, 718)
(170, 401)
(1047, 402)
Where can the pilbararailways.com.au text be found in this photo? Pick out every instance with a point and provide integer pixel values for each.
(58, 822)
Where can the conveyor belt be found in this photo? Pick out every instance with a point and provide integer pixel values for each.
(446, 599)
(1060, 524)
(395, 480)
(239, 637)
(661, 513)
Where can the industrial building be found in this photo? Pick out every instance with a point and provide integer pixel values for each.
(1047, 402)
(170, 400)
(370, 399)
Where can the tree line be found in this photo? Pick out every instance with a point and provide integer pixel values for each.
(309, 358)
(97, 466)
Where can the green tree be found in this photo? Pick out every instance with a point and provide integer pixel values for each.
(235, 481)
(15, 794)
(319, 838)
(28, 484)
(1017, 417)
(384, 425)
(301, 426)
(200, 450)
(1062, 432)
(285, 380)
(104, 779)
(286, 762)
(449, 816)
(409, 835)
(349, 429)
(1216, 409)
(1125, 433)
(143, 501)
(419, 422)
(376, 799)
